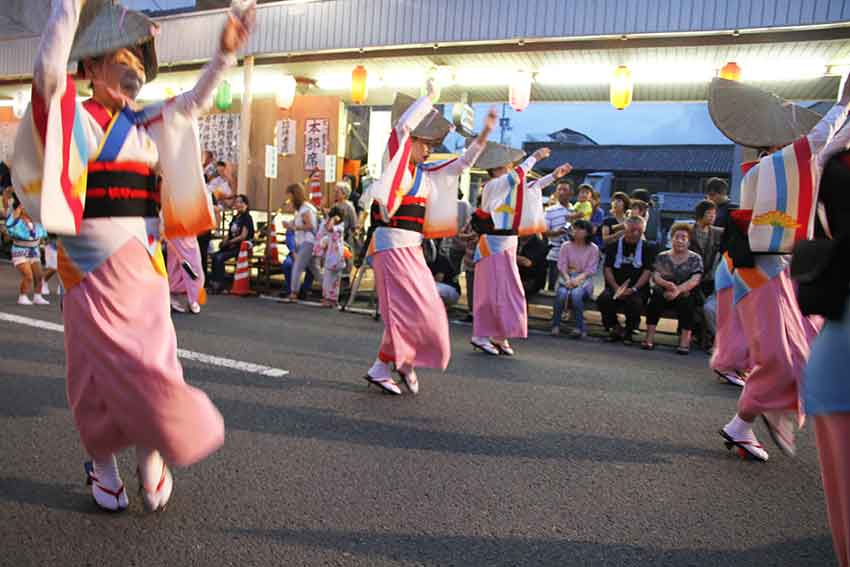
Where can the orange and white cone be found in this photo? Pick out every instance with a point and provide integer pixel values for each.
(316, 188)
(271, 248)
(242, 279)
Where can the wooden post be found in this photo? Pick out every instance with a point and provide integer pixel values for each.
(245, 126)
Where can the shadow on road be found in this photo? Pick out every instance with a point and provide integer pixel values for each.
(327, 425)
(471, 550)
(55, 496)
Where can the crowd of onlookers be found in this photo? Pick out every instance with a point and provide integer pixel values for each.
(586, 254)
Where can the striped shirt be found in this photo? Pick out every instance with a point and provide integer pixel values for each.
(557, 216)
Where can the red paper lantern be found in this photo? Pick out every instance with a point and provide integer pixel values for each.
(731, 71)
(359, 89)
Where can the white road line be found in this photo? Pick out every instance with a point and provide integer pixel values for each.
(184, 354)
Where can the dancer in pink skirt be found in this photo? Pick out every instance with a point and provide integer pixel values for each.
(90, 172)
(510, 207)
(414, 200)
(185, 274)
(730, 359)
(778, 197)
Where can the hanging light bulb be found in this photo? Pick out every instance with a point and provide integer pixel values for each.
(20, 103)
(359, 87)
(622, 87)
(519, 94)
(223, 96)
(731, 72)
(285, 96)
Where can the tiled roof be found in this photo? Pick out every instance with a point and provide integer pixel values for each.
(692, 159)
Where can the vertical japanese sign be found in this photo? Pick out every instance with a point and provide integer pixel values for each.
(315, 144)
(285, 137)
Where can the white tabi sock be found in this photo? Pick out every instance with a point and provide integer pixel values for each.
(380, 370)
(739, 429)
(107, 474)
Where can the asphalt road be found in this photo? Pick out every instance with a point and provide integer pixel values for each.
(568, 454)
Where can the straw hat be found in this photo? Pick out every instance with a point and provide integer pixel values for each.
(496, 155)
(755, 118)
(434, 127)
(106, 26)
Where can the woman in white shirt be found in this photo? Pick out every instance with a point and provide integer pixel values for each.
(304, 225)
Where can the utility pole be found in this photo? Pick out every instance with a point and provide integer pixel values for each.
(505, 126)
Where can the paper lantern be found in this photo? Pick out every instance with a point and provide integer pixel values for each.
(622, 87)
(223, 96)
(520, 91)
(731, 71)
(359, 89)
(20, 103)
(285, 95)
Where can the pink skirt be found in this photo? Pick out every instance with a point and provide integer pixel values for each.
(730, 344)
(125, 384)
(180, 249)
(416, 328)
(778, 344)
(499, 308)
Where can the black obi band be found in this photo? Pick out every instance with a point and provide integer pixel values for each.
(482, 223)
(121, 189)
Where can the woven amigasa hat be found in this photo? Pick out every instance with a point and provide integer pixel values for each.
(106, 26)
(755, 118)
(434, 127)
(496, 155)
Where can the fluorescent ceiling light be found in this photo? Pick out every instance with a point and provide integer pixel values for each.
(483, 77)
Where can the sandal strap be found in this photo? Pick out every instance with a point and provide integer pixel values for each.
(115, 493)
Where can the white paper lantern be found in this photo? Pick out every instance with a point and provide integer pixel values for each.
(520, 91)
(20, 103)
(285, 95)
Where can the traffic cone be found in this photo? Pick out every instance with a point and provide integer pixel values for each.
(242, 279)
(316, 188)
(271, 248)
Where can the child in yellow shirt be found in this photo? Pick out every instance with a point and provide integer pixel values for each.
(583, 209)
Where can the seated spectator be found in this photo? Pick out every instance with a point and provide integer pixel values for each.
(706, 241)
(577, 263)
(241, 230)
(557, 225)
(441, 268)
(531, 259)
(596, 218)
(628, 264)
(615, 223)
(652, 232)
(677, 274)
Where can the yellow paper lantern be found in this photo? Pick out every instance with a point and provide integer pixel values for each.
(359, 89)
(519, 93)
(622, 87)
(731, 71)
(285, 96)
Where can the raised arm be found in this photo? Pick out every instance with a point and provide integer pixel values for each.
(233, 37)
(467, 160)
(547, 180)
(51, 63)
(825, 130)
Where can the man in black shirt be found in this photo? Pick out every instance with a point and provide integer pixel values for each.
(717, 191)
(531, 261)
(628, 266)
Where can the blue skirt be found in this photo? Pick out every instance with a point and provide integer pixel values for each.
(826, 388)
